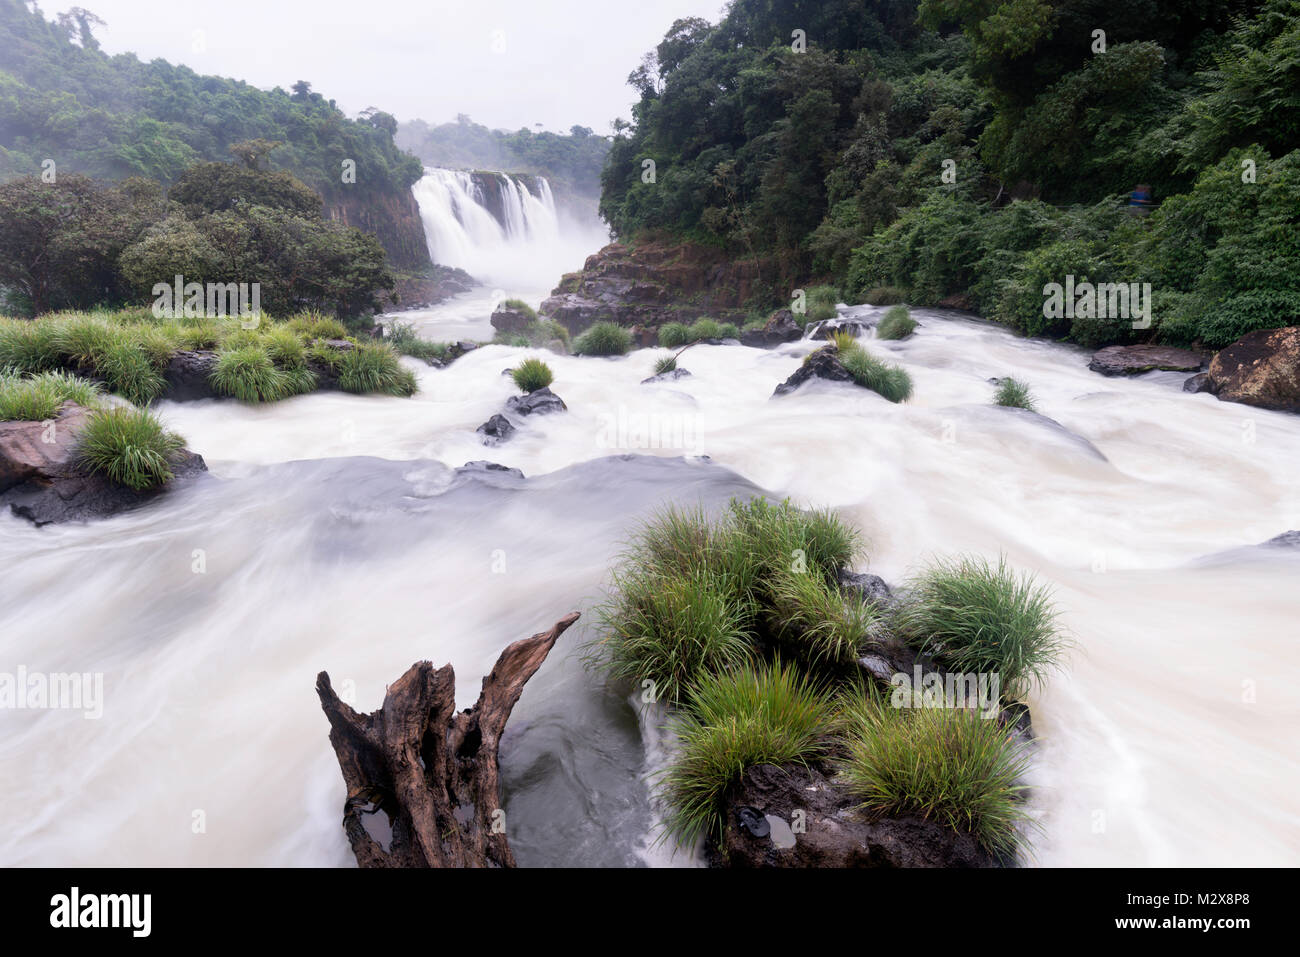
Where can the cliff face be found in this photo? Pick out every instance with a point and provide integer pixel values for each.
(393, 218)
(650, 283)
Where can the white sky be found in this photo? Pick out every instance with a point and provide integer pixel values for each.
(564, 62)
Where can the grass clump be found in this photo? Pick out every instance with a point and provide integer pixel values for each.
(531, 375)
(890, 381)
(710, 329)
(674, 335)
(248, 374)
(375, 367)
(603, 339)
(314, 325)
(39, 397)
(129, 446)
(520, 306)
(403, 337)
(1014, 394)
(751, 715)
(822, 626)
(947, 764)
(821, 302)
(665, 364)
(896, 324)
(975, 617)
(28, 345)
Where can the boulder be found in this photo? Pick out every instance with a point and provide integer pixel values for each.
(187, 375)
(509, 319)
(540, 402)
(822, 364)
(42, 481)
(496, 430)
(781, 327)
(1132, 360)
(1262, 369)
(1197, 383)
(835, 833)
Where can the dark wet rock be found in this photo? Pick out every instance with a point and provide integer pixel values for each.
(43, 482)
(1197, 383)
(834, 833)
(511, 319)
(856, 325)
(420, 292)
(671, 376)
(1133, 360)
(496, 430)
(1289, 539)
(484, 467)
(540, 402)
(822, 364)
(1261, 369)
(872, 588)
(781, 327)
(188, 374)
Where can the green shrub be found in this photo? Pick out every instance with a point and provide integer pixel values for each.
(603, 339)
(890, 381)
(979, 618)
(950, 765)
(129, 446)
(375, 367)
(39, 397)
(531, 375)
(674, 335)
(896, 324)
(884, 296)
(1015, 394)
(249, 375)
(736, 720)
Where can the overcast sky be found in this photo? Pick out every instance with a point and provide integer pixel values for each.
(507, 63)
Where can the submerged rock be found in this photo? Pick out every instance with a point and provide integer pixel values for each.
(1132, 360)
(484, 467)
(832, 832)
(42, 481)
(1261, 369)
(781, 327)
(670, 376)
(1197, 383)
(496, 430)
(540, 402)
(822, 364)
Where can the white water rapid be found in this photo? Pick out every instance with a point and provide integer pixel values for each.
(335, 536)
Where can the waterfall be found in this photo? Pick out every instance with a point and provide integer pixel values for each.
(502, 228)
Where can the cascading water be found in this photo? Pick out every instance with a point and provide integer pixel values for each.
(503, 229)
(336, 536)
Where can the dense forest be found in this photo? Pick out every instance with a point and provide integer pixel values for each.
(979, 149)
(572, 162)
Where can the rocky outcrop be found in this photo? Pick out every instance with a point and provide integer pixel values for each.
(422, 290)
(538, 402)
(392, 216)
(511, 319)
(822, 364)
(796, 817)
(645, 285)
(42, 481)
(781, 327)
(1261, 369)
(1133, 360)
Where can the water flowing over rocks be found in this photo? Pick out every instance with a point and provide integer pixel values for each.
(43, 482)
(1133, 360)
(780, 328)
(672, 375)
(538, 402)
(1261, 369)
(496, 430)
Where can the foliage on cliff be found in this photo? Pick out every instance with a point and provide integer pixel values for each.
(982, 148)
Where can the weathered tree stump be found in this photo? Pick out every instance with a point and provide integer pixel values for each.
(433, 772)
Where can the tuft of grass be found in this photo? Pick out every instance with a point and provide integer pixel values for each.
(375, 367)
(403, 337)
(129, 446)
(315, 325)
(531, 375)
(843, 340)
(603, 339)
(28, 345)
(248, 374)
(1014, 394)
(896, 324)
(520, 306)
(821, 302)
(736, 720)
(665, 364)
(39, 397)
(947, 764)
(285, 348)
(129, 372)
(674, 335)
(975, 617)
(890, 381)
(821, 625)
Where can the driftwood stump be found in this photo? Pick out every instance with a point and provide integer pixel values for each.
(433, 772)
